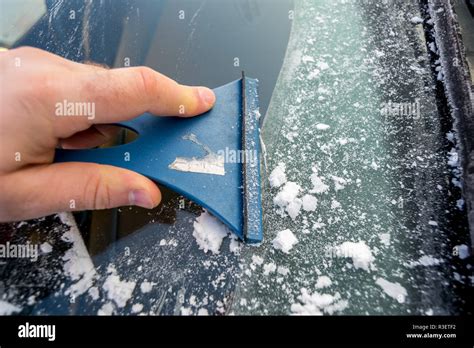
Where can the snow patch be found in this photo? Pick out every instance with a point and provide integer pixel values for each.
(335, 204)
(426, 261)
(318, 182)
(202, 312)
(287, 199)
(78, 264)
(119, 291)
(8, 308)
(106, 309)
(209, 232)
(416, 20)
(322, 65)
(234, 245)
(46, 248)
(385, 238)
(137, 308)
(359, 252)
(394, 290)
(94, 293)
(309, 203)
(306, 59)
(323, 282)
(339, 183)
(146, 287)
(322, 126)
(313, 74)
(257, 260)
(284, 271)
(269, 268)
(284, 241)
(318, 304)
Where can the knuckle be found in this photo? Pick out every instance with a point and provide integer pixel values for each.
(147, 81)
(196, 105)
(97, 194)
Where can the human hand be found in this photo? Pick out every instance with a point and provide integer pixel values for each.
(32, 82)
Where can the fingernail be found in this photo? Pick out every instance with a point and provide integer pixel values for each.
(141, 198)
(207, 96)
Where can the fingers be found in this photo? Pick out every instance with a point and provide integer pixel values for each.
(29, 193)
(54, 86)
(122, 94)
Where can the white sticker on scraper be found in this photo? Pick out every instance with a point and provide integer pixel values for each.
(212, 163)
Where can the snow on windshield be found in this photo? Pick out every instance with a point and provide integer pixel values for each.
(362, 204)
(360, 193)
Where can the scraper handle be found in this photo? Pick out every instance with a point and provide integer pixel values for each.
(231, 125)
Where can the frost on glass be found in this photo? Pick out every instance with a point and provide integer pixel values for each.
(359, 170)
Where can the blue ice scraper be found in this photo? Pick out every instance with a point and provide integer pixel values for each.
(213, 159)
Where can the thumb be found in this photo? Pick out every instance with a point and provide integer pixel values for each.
(42, 190)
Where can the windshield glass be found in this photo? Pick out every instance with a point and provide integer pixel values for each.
(360, 167)
(362, 203)
(153, 254)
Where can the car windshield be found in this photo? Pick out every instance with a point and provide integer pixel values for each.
(361, 176)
